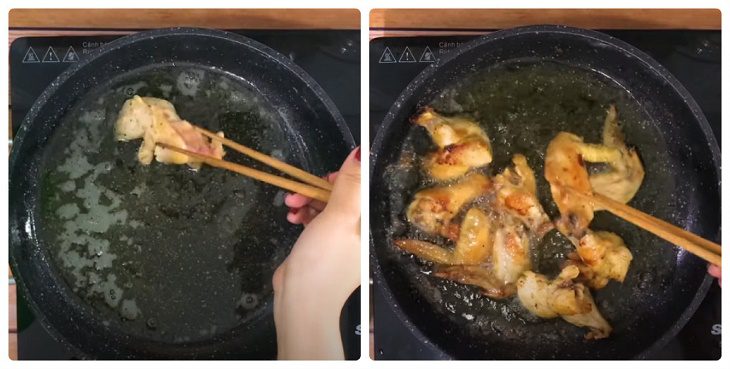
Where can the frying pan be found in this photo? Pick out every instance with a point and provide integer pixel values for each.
(120, 260)
(524, 85)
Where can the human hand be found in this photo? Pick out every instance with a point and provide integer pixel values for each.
(303, 209)
(323, 269)
(716, 271)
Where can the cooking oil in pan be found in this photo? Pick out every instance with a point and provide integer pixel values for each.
(163, 251)
(522, 106)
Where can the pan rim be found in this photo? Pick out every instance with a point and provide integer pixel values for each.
(428, 73)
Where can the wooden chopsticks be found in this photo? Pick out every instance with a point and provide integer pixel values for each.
(691, 242)
(313, 189)
(270, 161)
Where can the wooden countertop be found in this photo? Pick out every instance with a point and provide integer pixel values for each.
(210, 18)
(418, 22)
(77, 22)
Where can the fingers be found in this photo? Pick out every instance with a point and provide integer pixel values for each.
(345, 198)
(302, 215)
(716, 272)
(295, 200)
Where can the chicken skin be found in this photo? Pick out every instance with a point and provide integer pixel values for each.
(462, 145)
(562, 297)
(433, 209)
(490, 255)
(517, 195)
(565, 166)
(624, 176)
(472, 248)
(155, 120)
(511, 250)
(601, 256)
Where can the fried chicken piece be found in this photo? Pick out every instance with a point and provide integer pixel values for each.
(433, 209)
(565, 167)
(517, 194)
(601, 256)
(477, 275)
(511, 250)
(510, 257)
(472, 248)
(562, 297)
(155, 120)
(624, 176)
(462, 145)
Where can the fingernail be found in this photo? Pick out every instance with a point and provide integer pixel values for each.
(357, 154)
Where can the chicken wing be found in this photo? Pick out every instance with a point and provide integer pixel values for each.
(562, 297)
(508, 257)
(511, 250)
(472, 248)
(477, 275)
(565, 167)
(433, 209)
(624, 176)
(517, 195)
(602, 256)
(155, 120)
(462, 145)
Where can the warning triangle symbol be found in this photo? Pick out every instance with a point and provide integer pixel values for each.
(31, 56)
(407, 56)
(387, 57)
(50, 56)
(427, 56)
(71, 56)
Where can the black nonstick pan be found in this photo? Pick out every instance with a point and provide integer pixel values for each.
(524, 85)
(120, 260)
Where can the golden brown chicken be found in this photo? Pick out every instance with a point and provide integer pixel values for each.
(565, 166)
(517, 195)
(601, 256)
(433, 209)
(472, 248)
(562, 297)
(511, 250)
(155, 120)
(624, 176)
(481, 276)
(488, 255)
(462, 145)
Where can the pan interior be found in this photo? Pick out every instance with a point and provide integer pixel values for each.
(522, 104)
(162, 251)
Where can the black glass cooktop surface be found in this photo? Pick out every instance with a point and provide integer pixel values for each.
(693, 57)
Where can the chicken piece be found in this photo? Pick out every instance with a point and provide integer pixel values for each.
(602, 256)
(511, 250)
(155, 120)
(433, 209)
(517, 195)
(476, 275)
(472, 248)
(462, 145)
(565, 167)
(624, 177)
(510, 257)
(562, 297)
